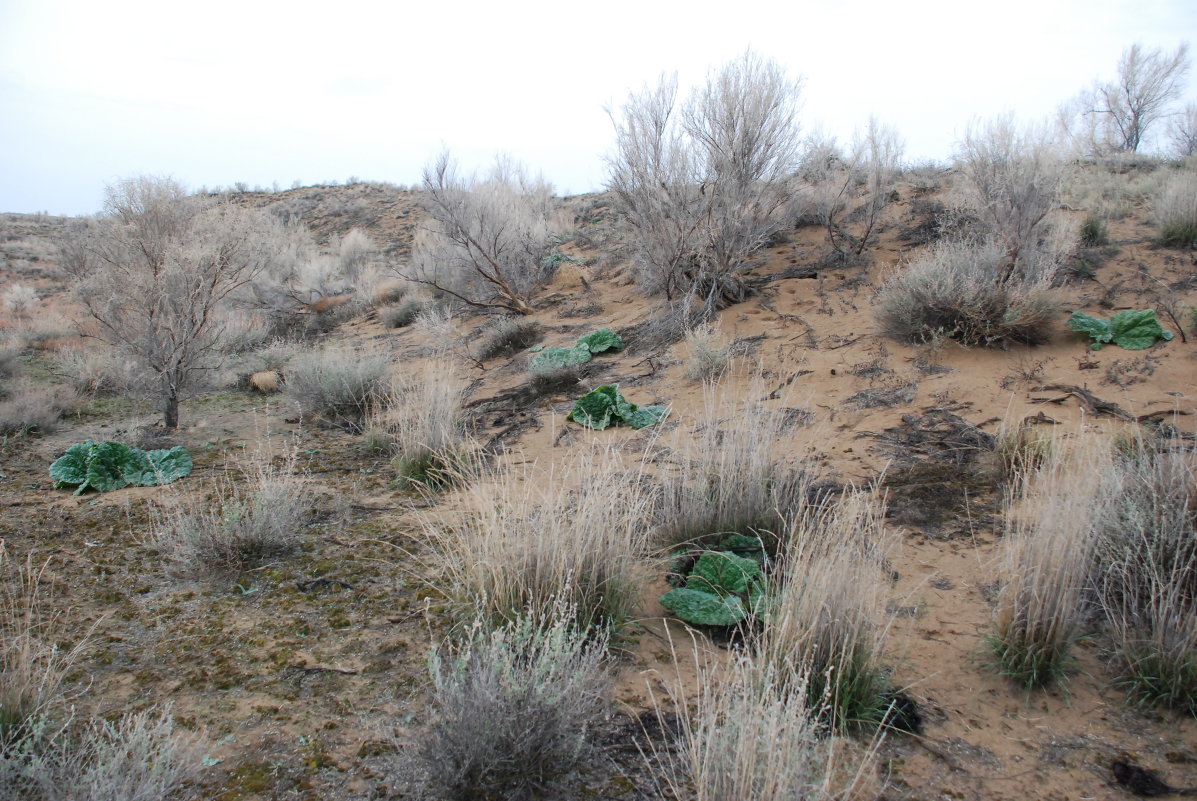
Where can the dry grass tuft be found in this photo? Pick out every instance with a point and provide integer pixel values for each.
(1046, 561)
(340, 385)
(525, 539)
(1176, 211)
(707, 354)
(35, 409)
(248, 519)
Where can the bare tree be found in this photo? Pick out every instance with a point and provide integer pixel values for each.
(1013, 182)
(1117, 115)
(873, 166)
(705, 188)
(155, 272)
(489, 236)
(1183, 132)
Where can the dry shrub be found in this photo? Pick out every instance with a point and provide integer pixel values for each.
(96, 370)
(138, 757)
(956, 291)
(422, 425)
(10, 358)
(18, 299)
(338, 384)
(514, 706)
(28, 409)
(245, 521)
(1175, 211)
(1046, 561)
(1145, 572)
(750, 733)
(525, 539)
(707, 353)
(823, 618)
(265, 381)
(728, 479)
(508, 336)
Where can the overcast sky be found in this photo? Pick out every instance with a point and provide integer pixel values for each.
(268, 93)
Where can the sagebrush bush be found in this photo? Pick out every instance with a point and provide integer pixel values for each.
(823, 616)
(18, 299)
(514, 707)
(1145, 572)
(1094, 232)
(138, 757)
(340, 385)
(956, 291)
(35, 409)
(1175, 211)
(96, 370)
(10, 359)
(249, 519)
(523, 540)
(1050, 514)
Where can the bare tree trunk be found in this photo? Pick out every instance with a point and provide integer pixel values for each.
(170, 411)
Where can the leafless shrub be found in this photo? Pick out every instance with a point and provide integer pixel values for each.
(340, 385)
(861, 189)
(961, 290)
(156, 272)
(1183, 132)
(138, 757)
(489, 236)
(1116, 116)
(28, 408)
(357, 253)
(248, 519)
(704, 188)
(514, 706)
(96, 370)
(10, 358)
(1013, 183)
(19, 299)
(523, 540)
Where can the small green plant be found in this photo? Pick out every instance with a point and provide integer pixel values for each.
(108, 466)
(605, 406)
(599, 341)
(1132, 329)
(1094, 233)
(721, 589)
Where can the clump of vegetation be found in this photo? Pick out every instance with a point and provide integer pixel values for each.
(249, 519)
(1020, 451)
(422, 426)
(514, 707)
(1176, 211)
(721, 587)
(340, 385)
(403, 314)
(1132, 329)
(599, 341)
(524, 540)
(960, 290)
(1039, 611)
(508, 336)
(605, 406)
(708, 354)
(727, 480)
(35, 409)
(1094, 233)
(108, 466)
(1145, 572)
(823, 618)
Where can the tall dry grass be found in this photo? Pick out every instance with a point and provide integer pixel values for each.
(1050, 514)
(524, 539)
(824, 617)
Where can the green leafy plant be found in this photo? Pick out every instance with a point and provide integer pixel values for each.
(721, 589)
(604, 406)
(108, 466)
(599, 341)
(1133, 329)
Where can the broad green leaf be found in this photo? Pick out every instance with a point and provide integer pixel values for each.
(108, 465)
(558, 358)
(1137, 329)
(601, 340)
(167, 465)
(723, 573)
(70, 469)
(741, 542)
(596, 409)
(646, 416)
(1098, 329)
(703, 608)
